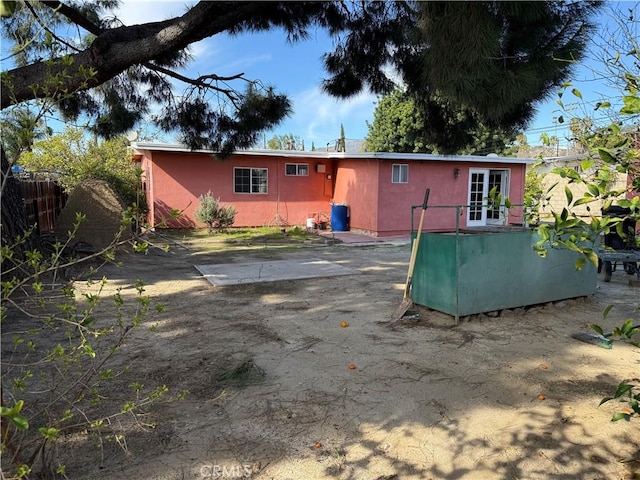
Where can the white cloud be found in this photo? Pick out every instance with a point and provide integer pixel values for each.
(134, 12)
(203, 51)
(317, 116)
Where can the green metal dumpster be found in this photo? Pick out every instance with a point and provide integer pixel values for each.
(474, 271)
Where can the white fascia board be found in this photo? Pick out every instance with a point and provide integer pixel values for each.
(431, 157)
(165, 147)
(341, 155)
(178, 148)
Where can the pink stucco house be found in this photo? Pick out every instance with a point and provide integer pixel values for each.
(273, 187)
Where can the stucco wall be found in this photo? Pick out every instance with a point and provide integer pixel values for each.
(365, 184)
(356, 184)
(175, 179)
(178, 179)
(396, 199)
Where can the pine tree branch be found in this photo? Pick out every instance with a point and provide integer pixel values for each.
(47, 29)
(73, 15)
(197, 82)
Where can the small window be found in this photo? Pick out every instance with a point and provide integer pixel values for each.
(400, 173)
(250, 180)
(298, 169)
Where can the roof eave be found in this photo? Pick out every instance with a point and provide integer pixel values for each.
(177, 148)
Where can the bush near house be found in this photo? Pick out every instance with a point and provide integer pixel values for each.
(72, 158)
(213, 214)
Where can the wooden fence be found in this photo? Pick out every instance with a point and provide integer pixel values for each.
(44, 199)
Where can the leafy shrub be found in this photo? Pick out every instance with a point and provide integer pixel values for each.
(72, 158)
(213, 214)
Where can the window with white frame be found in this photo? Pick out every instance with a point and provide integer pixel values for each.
(296, 169)
(400, 173)
(249, 180)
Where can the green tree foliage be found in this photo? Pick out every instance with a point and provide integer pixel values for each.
(74, 158)
(400, 126)
(288, 141)
(585, 134)
(521, 49)
(609, 149)
(20, 128)
(397, 126)
(213, 214)
(534, 193)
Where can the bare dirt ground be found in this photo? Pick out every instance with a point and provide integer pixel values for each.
(426, 400)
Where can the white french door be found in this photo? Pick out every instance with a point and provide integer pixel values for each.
(478, 192)
(481, 181)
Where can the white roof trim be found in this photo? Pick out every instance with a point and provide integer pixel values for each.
(166, 147)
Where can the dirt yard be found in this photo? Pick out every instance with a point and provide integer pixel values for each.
(426, 399)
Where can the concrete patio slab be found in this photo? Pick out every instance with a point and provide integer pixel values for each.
(271, 271)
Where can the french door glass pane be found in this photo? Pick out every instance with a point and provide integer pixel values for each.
(495, 180)
(475, 209)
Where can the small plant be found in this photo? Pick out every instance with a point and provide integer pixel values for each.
(298, 232)
(534, 194)
(213, 214)
(628, 391)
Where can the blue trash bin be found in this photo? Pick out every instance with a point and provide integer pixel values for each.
(339, 217)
